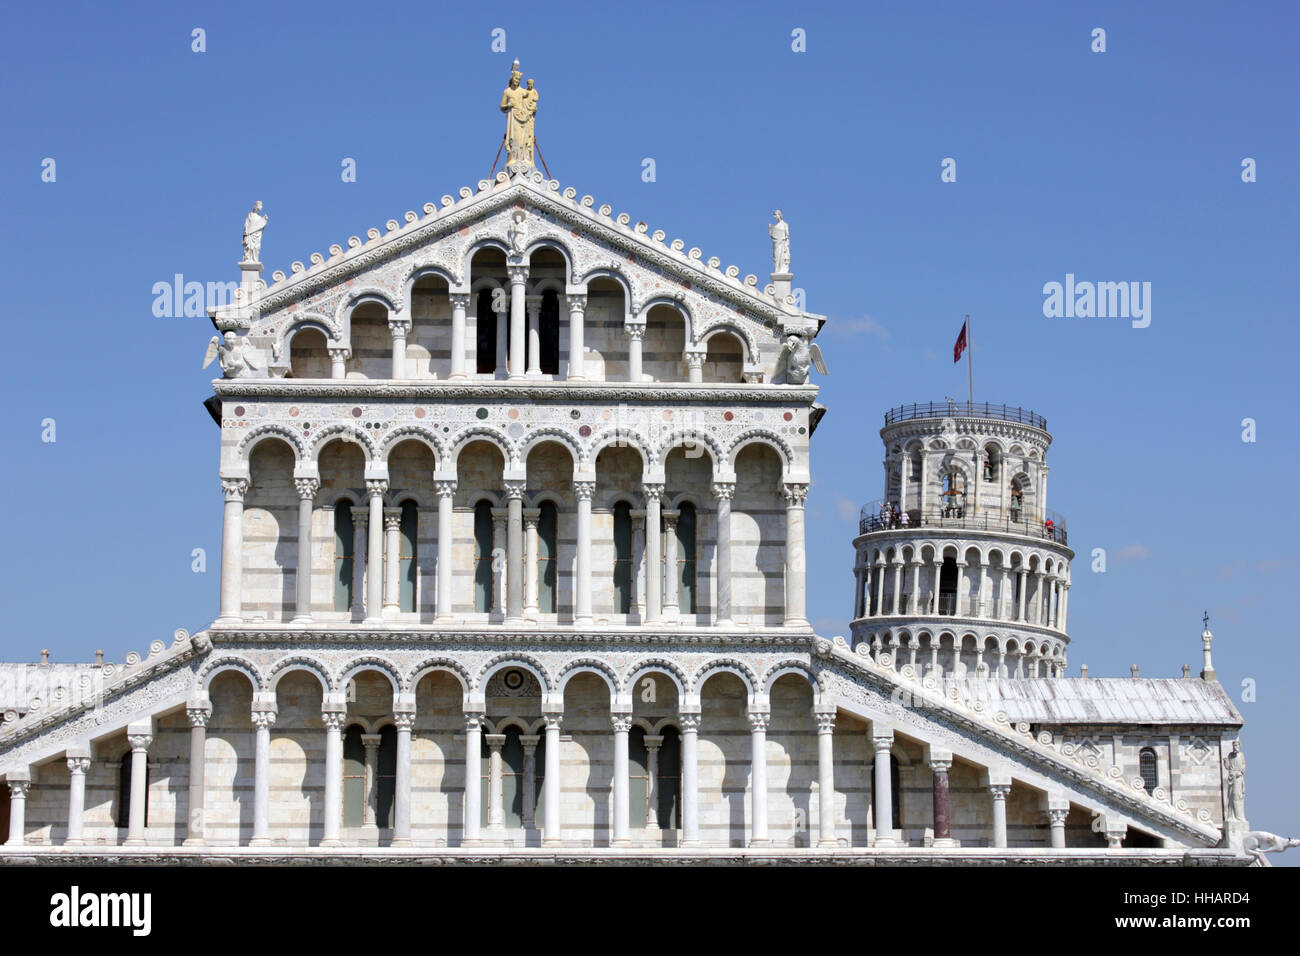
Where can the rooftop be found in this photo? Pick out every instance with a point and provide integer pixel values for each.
(1006, 413)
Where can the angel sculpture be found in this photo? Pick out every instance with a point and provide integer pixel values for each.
(234, 354)
(798, 354)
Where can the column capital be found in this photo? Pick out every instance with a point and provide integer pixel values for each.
(333, 719)
(494, 741)
(584, 489)
(999, 791)
(78, 764)
(825, 721)
(652, 490)
(515, 488)
(392, 519)
(474, 720)
(795, 493)
(235, 488)
(758, 721)
(882, 738)
(1056, 816)
(139, 741)
(553, 721)
(376, 486)
(18, 789)
(723, 490)
(694, 359)
(263, 719)
(199, 716)
(940, 764)
(339, 352)
(621, 723)
(635, 330)
(459, 300)
(518, 274)
(688, 722)
(444, 487)
(653, 742)
(576, 301)
(399, 326)
(306, 487)
(404, 720)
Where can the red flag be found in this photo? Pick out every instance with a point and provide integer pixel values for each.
(960, 345)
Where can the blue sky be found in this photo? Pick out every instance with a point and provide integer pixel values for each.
(1115, 166)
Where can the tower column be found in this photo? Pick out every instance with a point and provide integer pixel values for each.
(496, 788)
(78, 760)
(583, 489)
(551, 835)
(400, 327)
(914, 601)
(672, 602)
(635, 333)
(263, 720)
(514, 550)
(880, 586)
(306, 488)
(937, 567)
(375, 551)
(826, 778)
(531, 546)
(758, 778)
(518, 277)
(360, 535)
(653, 539)
(392, 582)
(940, 764)
(529, 808)
(339, 361)
(577, 303)
(622, 723)
(404, 719)
(333, 803)
(232, 547)
(979, 609)
(652, 745)
(1020, 604)
(139, 736)
(690, 725)
(1056, 818)
(695, 366)
(796, 615)
(534, 303)
(19, 783)
(722, 492)
(1065, 604)
(473, 778)
(882, 739)
(198, 715)
(961, 587)
(998, 792)
(446, 489)
(459, 303)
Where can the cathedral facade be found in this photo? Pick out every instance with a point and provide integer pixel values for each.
(513, 566)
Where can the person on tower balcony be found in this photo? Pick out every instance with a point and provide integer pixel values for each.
(1049, 528)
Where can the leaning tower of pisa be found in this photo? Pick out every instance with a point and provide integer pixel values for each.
(961, 570)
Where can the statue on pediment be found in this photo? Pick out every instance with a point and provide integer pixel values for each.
(1234, 766)
(236, 356)
(798, 355)
(780, 233)
(254, 223)
(520, 106)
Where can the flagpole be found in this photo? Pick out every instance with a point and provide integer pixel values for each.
(970, 361)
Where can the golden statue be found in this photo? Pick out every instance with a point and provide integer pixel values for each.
(520, 106)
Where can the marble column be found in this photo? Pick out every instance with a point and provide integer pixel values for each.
(653, 538)
(19, 784)
(826, 779)
(392, 562)
(140, 740)
(978, 610)
(446, 489)
(232, 548)
(534, 303)
(531, 546)
(961, 588)
(1020, 603)
(690, 727)
(518, 276)
(339, 362)
(529, 743)
(459, 304)
(796, 615)
(880, 587)
(375, 488)
(672, 602)
(332, 812)
(939, 767)
(896, 597)
(78, 763)
(881, 742)
(307, 488)
(999, 794)
(400, 328)
(473, 778)
(758, 778)
(514, 551)
(635, 333)
(551, 835)
(500, 559)
(652, 744)
(360, 523)
(636, 606)
(722, 494)
(195, 830)
(263, 721)
(404, 720)
(577, 304)
(502, 358)
(582, 571)
(1056, 818)
(621, 836)
(695, 367)
(938, 580)
(370, 806)
(1065, 606)
(496, 786)
(913, 603)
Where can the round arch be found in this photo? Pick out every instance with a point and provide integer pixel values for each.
(344, 432)
(261, 433)
(298, 662)
(381, 665)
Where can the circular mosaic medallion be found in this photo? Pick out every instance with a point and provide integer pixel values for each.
(419, 413)
(513, 413)
(481, 413)
(356, 413)
(239, 411)
(513, 680)
(585, 431)
(575, 414)
(293, 412)
(515, 430)
(727, 416)
(789, 416)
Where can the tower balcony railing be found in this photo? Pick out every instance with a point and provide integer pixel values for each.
(1005, 413)
(887, 516)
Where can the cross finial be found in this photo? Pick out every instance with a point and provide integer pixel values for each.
(1206, 618)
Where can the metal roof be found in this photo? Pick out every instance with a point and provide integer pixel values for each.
(1100, 700)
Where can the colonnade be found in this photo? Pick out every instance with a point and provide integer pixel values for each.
(334, 715)
(379, 535)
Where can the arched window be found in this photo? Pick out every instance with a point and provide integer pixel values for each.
(512, 780)
(486, 333)
(354, 778)
(386, 782)
(991, 463)
(686, 557)
(1017, 499)
(124, 793)
(483, 556)
(622, 558)
(547, 522)
(638, 769)
(662, 789)
(407, 555)
(344, 538)
(548, 330)
(953, 495)
(1147, 767)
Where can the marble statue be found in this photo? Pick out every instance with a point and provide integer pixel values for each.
(780, 233)
(798, 354)
(235, 355)
(1259, 842)
(520, 106)
(1235, 769)
(254, 223)
(517, 232)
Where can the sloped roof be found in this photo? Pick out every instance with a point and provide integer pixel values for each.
(1099, 700)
